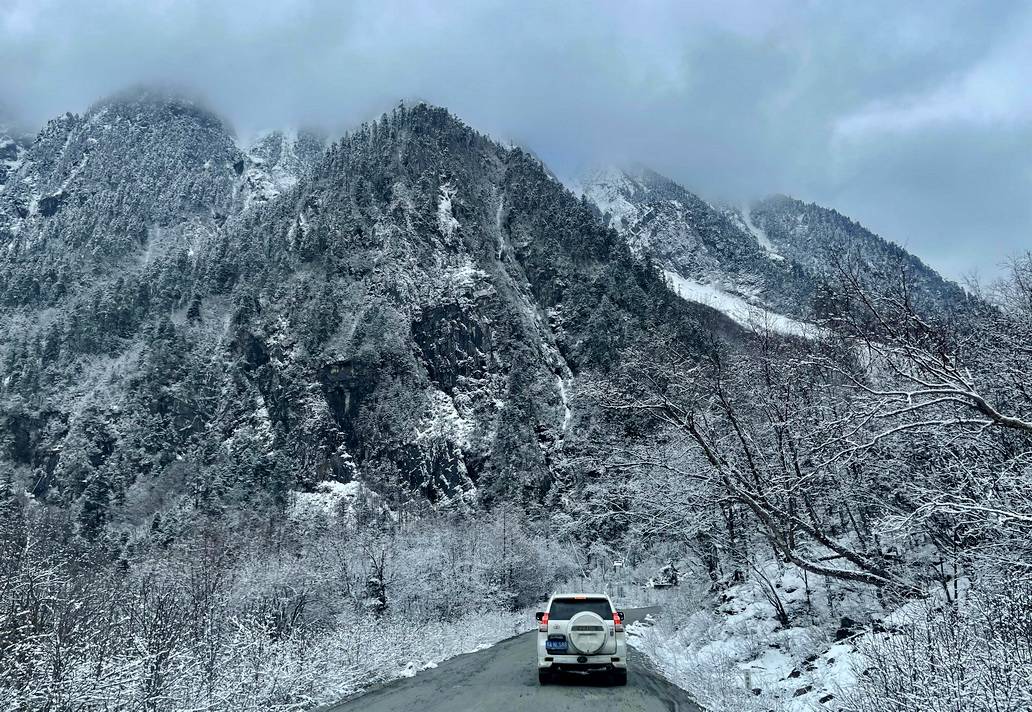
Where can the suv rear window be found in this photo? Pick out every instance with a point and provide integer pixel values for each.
(563, 609)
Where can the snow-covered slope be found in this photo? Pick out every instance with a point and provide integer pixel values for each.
(713, 256)
(277, 160)
(749, 315)
(137, 169)
(822, 241)
(761, 263)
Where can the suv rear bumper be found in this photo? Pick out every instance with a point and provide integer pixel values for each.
(591, 662)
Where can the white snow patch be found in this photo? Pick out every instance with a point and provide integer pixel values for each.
(565, 398)
(465, 276)
(445, 219)
(265, 179)
(836, 669)
(262, 189)
(748, 315)
(760, 235)
(607, 188)
(328, 500)
(445, 422)
(769, 667)
(503, 243)
(731, 652)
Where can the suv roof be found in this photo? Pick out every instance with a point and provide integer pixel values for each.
(579, 595)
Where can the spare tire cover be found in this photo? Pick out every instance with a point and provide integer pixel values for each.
(587, 632)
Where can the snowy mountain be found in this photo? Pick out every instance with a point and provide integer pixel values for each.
(134, 174)
(762, 264)
(411, 372)
(141, 169)
(413, 306)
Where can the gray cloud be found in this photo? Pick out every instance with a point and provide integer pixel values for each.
(912, 118)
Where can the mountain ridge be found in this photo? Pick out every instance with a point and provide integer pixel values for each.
(773, 257)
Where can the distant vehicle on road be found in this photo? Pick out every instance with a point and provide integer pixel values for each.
(583, 633)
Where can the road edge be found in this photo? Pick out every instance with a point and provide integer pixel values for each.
(387, 683)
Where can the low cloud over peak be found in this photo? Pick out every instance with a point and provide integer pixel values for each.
(917, 123)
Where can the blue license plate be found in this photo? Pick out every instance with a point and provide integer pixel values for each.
(555, 646)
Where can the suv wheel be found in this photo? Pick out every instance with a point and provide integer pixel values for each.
(619, 677)
(544, 676)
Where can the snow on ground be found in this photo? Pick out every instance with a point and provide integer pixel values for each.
(565, 398)
(464, 277)
(284, 172)
(731, 652)
(261, 188)
(275, 166)
(282, 672)
(369, 652)
(329, 501)
(748, 315)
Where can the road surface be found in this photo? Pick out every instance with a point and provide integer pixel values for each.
(503, 678)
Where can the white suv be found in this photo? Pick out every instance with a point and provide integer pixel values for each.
(581, 632)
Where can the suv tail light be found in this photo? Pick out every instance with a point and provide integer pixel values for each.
(617, 621)
(544, 619)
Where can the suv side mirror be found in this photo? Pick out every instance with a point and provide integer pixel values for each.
(539, 615)
(621, 614)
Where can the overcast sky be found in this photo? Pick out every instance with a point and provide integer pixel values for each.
(914, 118)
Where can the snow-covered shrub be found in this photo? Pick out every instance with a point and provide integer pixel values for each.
(971, 655)
(237, 613)
(691, 654)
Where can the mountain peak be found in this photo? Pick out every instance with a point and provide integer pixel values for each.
(80, 179)
(432, 118)
(624, 192)
(147, 102)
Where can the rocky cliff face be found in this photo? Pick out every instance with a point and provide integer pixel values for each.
(414, 306)
(277, 160)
